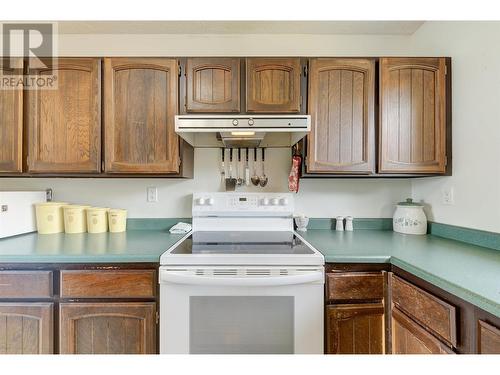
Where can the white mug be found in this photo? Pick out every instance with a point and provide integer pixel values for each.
(339, 223)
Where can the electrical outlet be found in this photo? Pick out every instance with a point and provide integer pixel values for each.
(152, 194)
(448, 196)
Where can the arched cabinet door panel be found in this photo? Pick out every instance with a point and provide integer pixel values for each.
(341, 105)
(412, 115)
(11, 119)
(26, 328)
(213, 84)
(140, 104)
(273, 85)
(107, 328)
(64, 123)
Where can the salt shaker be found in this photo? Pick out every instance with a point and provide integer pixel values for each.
(339, 224)
(348, 224)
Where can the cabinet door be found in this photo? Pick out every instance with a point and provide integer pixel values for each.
(64, 124)
(355, 329)
(410, 338)
(412, 115)
(341, 105)
(140, 104)
(273, 85)
(213, 85)
(107, 328)
(11, 122)
(26, 328)
(488, 340)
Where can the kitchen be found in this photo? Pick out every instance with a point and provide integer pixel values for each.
(372, 114)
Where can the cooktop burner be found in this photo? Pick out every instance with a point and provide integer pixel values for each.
(241, 242)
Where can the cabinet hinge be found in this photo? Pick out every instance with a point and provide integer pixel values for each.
(157, 317)
(102, 165)
(306, 71)
(180, 70)
(446, 161)
(445, 69)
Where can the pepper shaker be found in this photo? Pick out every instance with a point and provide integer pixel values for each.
(339, 225)
(348, 224)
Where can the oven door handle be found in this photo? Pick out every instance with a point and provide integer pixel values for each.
(176, 278)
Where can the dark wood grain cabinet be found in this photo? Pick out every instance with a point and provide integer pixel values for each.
(342, 108)
(140, 103)
(64, 123)
(273, 85)
(26, 328)
(355, 328)
(213, 84)
(410, 338)
(11, 121)
(412, 115)
(488, 338)
(107, 328)
(355, 313)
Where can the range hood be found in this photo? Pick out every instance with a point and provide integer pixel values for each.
(242, 130)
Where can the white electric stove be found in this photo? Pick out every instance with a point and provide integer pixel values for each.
(242, 281)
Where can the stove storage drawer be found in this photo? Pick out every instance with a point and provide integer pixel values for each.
(108, 284)
(25, 284)
(354, 286)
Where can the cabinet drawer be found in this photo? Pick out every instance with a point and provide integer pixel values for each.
(488, 338)
(355, 286)
(108, 284)
(25, 284)
(436, 315)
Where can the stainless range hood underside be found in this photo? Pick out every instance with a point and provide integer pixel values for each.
(242, 130)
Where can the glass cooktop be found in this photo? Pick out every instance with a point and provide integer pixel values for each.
(242, 243)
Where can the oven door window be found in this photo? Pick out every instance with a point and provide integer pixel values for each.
(241, 325)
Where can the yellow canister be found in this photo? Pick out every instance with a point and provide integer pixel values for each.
(117, 220)
(75, 218)
(49, 217)
(97, 219)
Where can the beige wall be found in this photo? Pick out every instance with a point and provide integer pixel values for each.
(474, 49)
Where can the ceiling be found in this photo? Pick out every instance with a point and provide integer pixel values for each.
(239, 27)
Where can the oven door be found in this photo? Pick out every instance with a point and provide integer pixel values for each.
(241, 310)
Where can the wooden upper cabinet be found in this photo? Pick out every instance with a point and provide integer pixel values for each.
(11, 121)
(107, 328)
(64, 124)
(26, 328)
(140, 104)
(341, 105)
(412, 115)
(273, 85)
(213, 84)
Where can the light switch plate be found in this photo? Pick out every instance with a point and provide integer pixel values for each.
(448, 196)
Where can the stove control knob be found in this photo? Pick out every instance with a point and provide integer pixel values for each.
(283, 201)
(250, 121)
(200, 201)
(210, 201)
(275, 201)
(235, 122)
(264, 202)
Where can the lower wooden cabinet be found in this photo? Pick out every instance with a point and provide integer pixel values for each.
(410, 338)
(107, 328)
(26, 328)
(488, 338)
(355, 329)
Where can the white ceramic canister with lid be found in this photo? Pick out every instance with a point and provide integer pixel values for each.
(75, 218)
(97, 219)
(409, 218)
(117, 220)
(49, 217)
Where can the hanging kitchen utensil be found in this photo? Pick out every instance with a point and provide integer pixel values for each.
(255, 177)
(247, 169)
(239, 180)
(223, 167)
(230, 182)
(294, 177)
(263, 179)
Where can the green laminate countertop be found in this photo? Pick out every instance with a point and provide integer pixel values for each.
(467, 271)
(132, 246)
